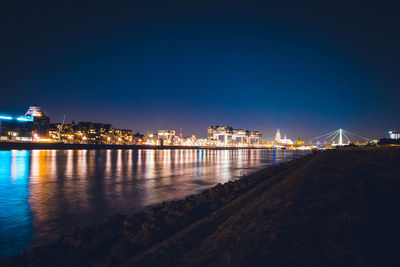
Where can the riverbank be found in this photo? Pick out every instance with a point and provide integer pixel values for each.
(337, 207)
(61, 146)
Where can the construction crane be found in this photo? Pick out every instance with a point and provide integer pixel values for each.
(60, 128)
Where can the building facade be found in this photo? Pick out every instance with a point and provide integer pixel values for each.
(220, 134)
(393, 134)
(16, 128)
(90, 133)
(34, 125)
(255, 137)
(166, 136)
(226, 134)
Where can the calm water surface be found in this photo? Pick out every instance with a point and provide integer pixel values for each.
(44, 193)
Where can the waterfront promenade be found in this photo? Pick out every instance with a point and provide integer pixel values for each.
(332, 208)
(59, 146)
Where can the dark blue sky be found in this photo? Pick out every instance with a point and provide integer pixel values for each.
(307, 68)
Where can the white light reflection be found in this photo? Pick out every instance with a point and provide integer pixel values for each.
(19, 164)
(129, 164)
(82, 164)
(108, 167)
(226, 163)
(35, 165)
(149, 171)
(119, 172)
(69, 168)
(92, 163)
(53, 163)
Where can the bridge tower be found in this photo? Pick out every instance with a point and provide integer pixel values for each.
(340, 137)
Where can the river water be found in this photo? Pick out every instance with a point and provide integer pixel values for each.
(44, 193)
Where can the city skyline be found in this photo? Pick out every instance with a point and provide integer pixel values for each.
(36, 126)
(146, 66)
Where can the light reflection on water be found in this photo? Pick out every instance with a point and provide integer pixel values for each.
(15, 215)
(44, 193)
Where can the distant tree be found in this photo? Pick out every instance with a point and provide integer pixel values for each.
(386, 141)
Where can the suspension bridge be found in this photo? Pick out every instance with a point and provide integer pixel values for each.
(338, 137)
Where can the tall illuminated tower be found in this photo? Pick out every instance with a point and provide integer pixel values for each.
(278, 136)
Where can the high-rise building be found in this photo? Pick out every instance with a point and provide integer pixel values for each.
(255, 137)
(393, 134)
(34, 111)
(220, 134)
(240, 135)
(40, 122)
(226, 134)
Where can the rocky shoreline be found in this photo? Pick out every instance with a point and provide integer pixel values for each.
(310, 211)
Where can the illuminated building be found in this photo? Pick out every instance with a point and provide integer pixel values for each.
(226, 134)
(35, 126)
(90, 133)
(220, 134)
(123, 136)
(281, 141)
(41, 122)
(62, 132)
(138, 138)
(255, 137)
(394, 134)
(54, 131)
(166, 136)
(16, 128)
(240, 135)
(151, 139)
(299, 142)
(32, 126)
(34, 111)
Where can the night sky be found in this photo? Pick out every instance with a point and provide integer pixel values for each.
(307, 68)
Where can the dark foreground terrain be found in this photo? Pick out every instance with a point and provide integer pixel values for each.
(334, 208)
